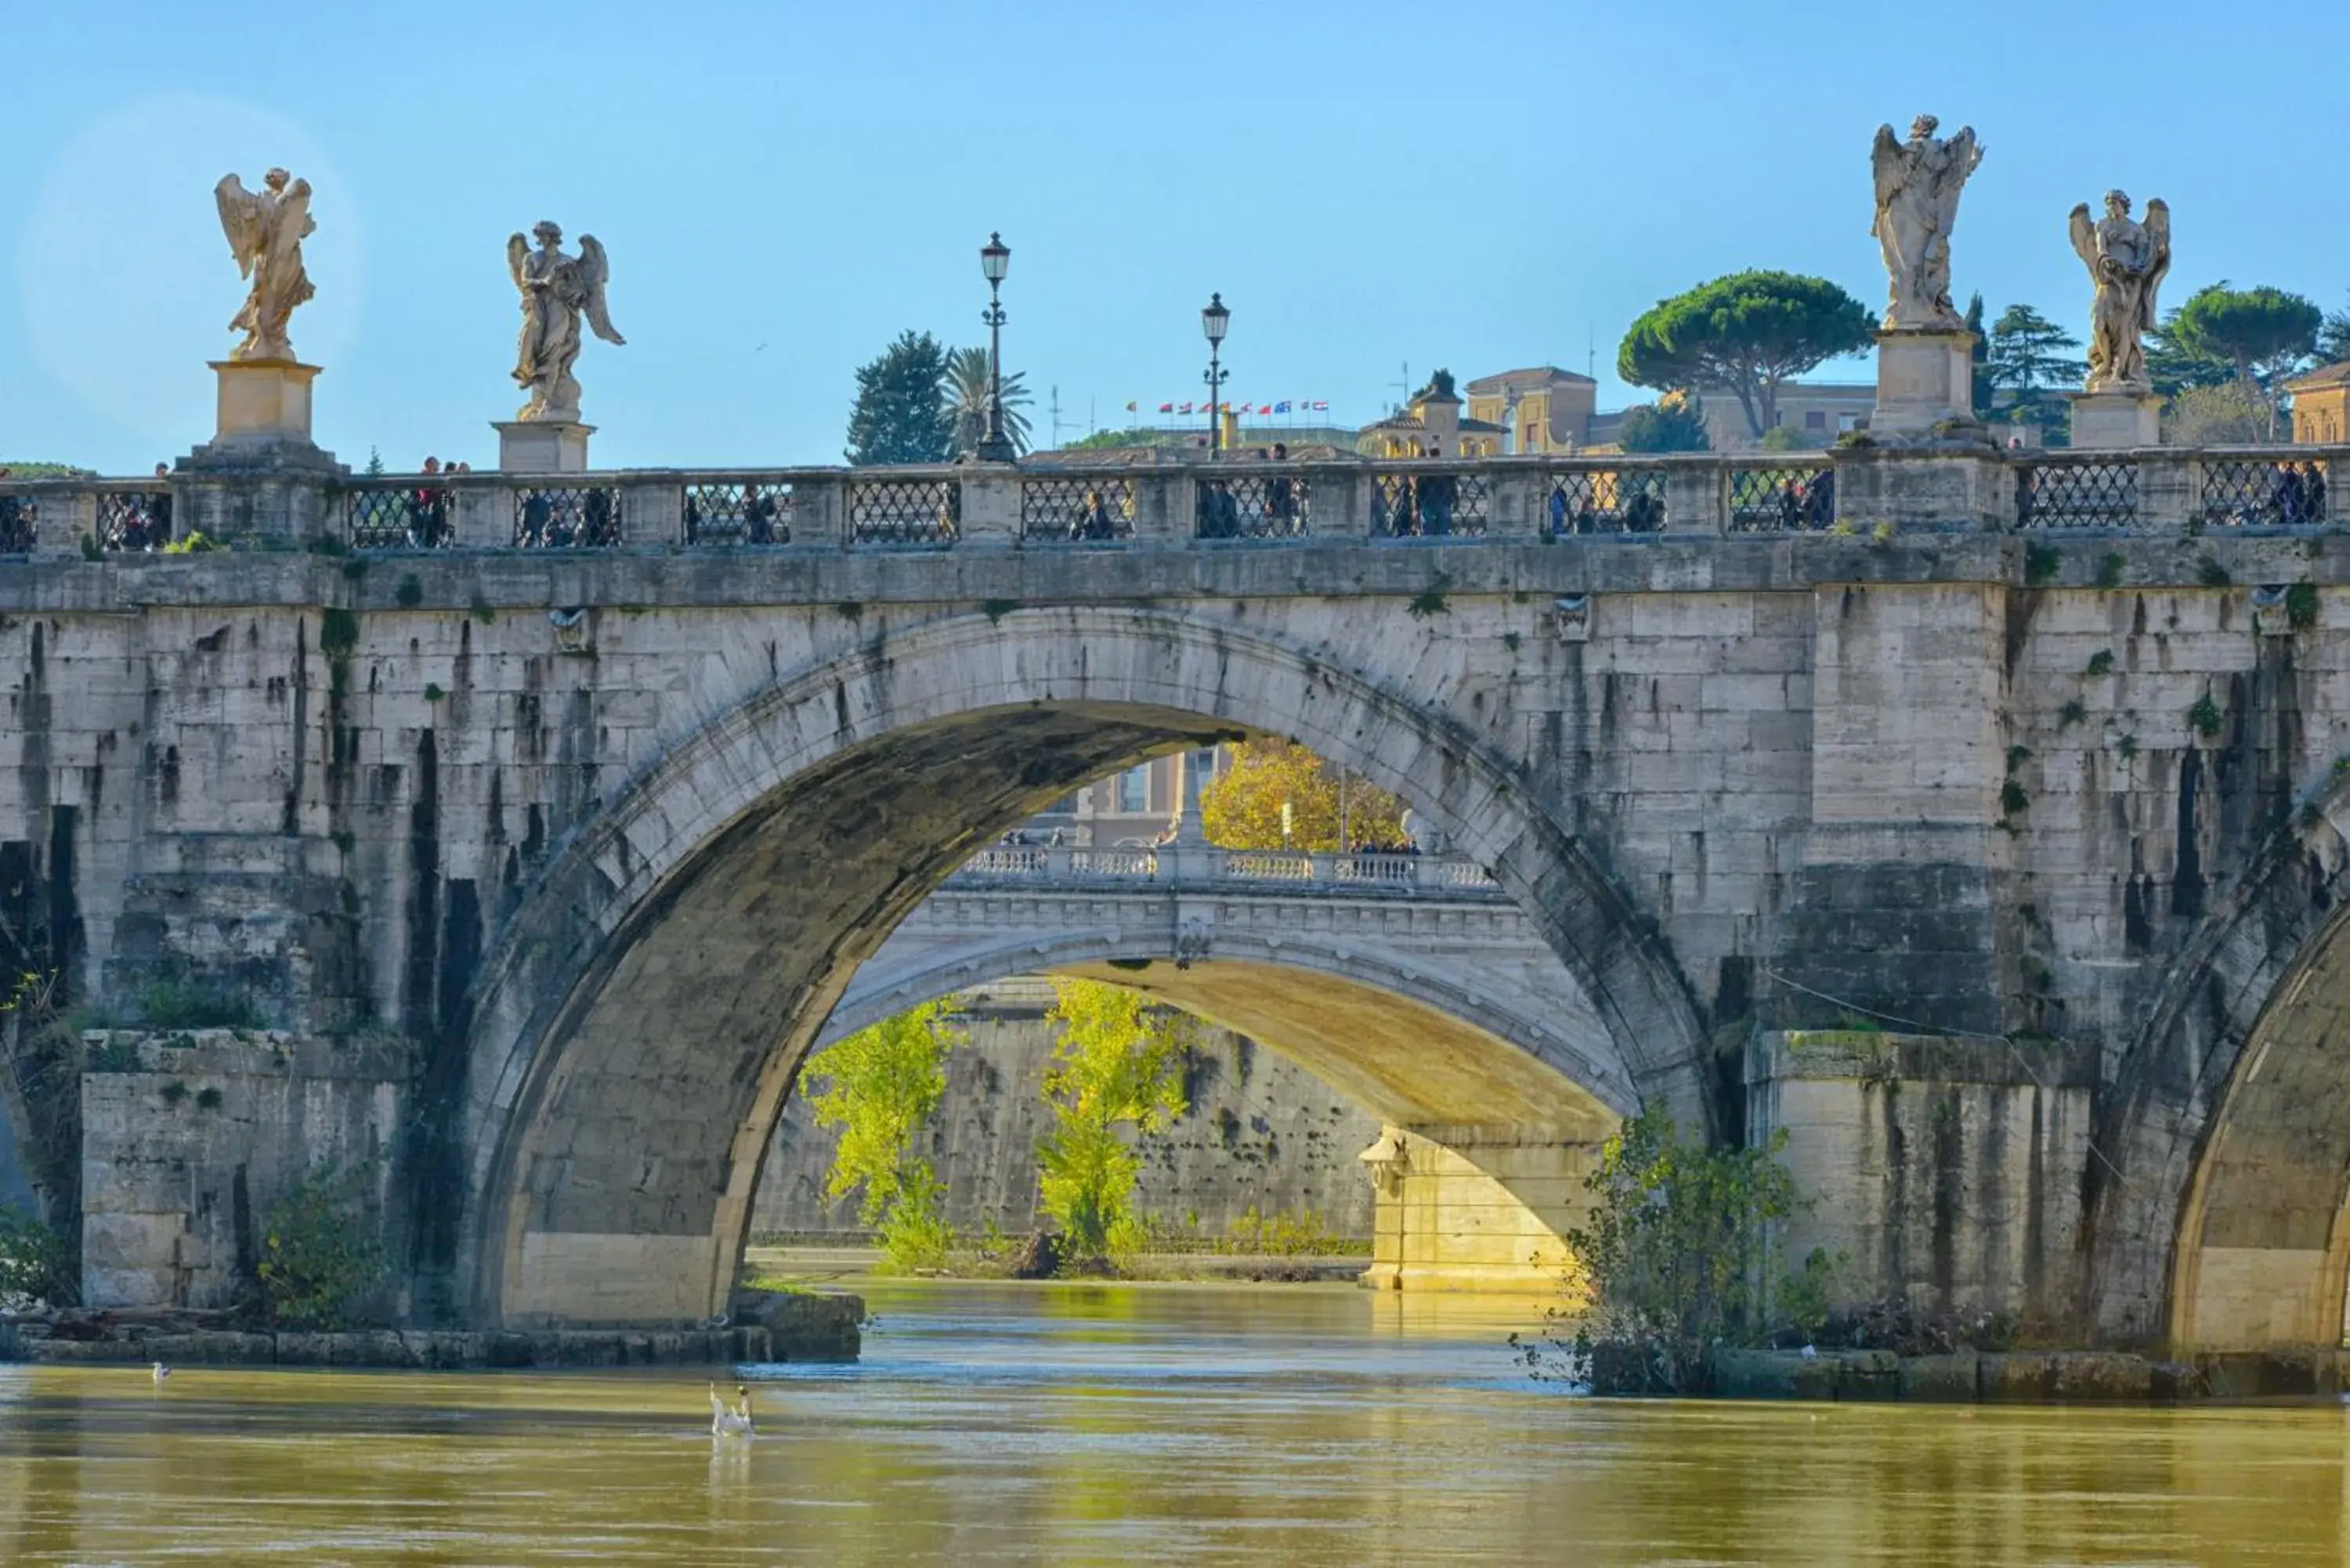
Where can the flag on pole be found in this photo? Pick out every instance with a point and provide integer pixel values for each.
(1282, 407)
(1170, 407)
(1130, 408)
(1265, 409)
(1184, 409)
(1320, 407)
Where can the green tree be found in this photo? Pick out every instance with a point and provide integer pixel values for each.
(881, 1086)
(900, 413)
(2334, 337)
(2230, 414)
(1132, 436)
(1981, 355)
(1117, 1069)
(1752, 332)
(1675, 1259)
(2029, 355)
(1674, 422)
(374, 463)
(966, 401)
(2265, 333)
(1241, 808)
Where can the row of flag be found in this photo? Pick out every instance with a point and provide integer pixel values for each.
(1301, 405)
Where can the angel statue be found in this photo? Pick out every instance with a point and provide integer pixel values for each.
(266, 229)
(557, 289)
(1918, 185)
(2126, 260)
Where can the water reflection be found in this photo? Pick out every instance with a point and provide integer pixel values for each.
(1089, 1424)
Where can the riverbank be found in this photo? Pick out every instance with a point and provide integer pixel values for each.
(2040, 1378)
(766, 1328)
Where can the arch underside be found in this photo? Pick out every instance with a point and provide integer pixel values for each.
(2261, 1244)
(645, 1012)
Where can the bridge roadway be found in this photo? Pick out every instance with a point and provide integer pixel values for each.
(1973, 817)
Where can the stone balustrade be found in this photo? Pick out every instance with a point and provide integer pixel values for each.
(1370, 873)
(1860, 488)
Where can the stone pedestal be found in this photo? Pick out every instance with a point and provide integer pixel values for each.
(542, 446)
(1923, 380)
(2109, 421)
(263, 418)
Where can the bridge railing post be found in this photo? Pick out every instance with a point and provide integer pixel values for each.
(990, 507)
(2169, 489)
(1059, 863)
(65, 518)
(1513, 489)
(485, 515)
(1162, 506)
(652, 508)
(1338, 503)
(1697, 496)
(820, 509)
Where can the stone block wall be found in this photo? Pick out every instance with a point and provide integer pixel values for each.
(190, 1136)
(1947, 1172)
(1484, 1209)
(1260, 1134)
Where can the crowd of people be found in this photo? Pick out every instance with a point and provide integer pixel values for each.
(1279, 509)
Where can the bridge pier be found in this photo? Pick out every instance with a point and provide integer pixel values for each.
(1476, 1209)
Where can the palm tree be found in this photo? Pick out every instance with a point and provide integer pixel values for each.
(966, 387)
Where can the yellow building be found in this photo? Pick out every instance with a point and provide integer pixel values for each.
(1542, 408)
(2321, 404)
(1430, 426)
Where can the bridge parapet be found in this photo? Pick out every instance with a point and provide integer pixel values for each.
(1129, 505)
(1359, 874)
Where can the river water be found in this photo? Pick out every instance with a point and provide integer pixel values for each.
(1017, 1424)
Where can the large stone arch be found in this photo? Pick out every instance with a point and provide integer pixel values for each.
(2221, 1164)
(641, 1017)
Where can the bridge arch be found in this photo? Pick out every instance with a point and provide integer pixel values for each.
(641, 1016)
(2222, 1169)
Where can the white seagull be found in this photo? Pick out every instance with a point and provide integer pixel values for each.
(734, 1423)
(162, 1372)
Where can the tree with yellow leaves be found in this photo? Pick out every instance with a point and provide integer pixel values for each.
(1119, 1064)
(1242, 809)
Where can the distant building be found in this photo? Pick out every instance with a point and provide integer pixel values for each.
(1539, 409)
(1431, 424)
(1814, 412)
(2321, 403)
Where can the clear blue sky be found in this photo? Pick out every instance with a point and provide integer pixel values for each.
(783, 187)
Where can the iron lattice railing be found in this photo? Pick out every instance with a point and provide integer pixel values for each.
(744, 514)
(1606, 500)
(20, 524)
(1253, 506)
(904, 510)
(135, 519)
(2077, 495)
(1783, 500)
(1076, 509)
(2263, 493)
(1428, 505)
(586, 517)
(413, 517)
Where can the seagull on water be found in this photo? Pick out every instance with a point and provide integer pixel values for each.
(161, 1372)
(734, 1423)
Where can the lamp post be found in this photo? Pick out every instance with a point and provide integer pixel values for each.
(995, 260)
(1214, 320)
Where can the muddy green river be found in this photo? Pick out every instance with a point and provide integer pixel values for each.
(1011, 1424)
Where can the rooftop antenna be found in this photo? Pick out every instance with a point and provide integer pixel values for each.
(1057, 416)
(1403, 386)
(1590, 351)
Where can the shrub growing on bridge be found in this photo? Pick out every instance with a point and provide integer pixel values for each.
(322, 1260)
(1118, 1066)
(36, 1262)
(1676, 1256)
(881, 1086)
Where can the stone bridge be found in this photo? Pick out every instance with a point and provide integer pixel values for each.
(1979, 828)
(1412, 985)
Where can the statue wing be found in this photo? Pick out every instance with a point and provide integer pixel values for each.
(518, 257)
(241, 221)
(1965, 150)
(293, 223)
(1886, 160)
(2084, 238)
(594, 268)
(2157, 237)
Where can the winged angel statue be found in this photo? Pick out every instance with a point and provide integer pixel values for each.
(2127, 261)
(1918, 186)
(557, 289)
(266, 229)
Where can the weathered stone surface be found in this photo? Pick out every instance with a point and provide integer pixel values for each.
(606, 879)
(1940, 1379)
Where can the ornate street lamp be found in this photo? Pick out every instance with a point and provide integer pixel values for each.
(995, 260)
(1215, 321)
